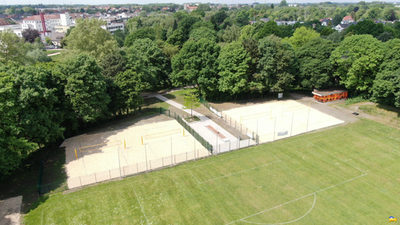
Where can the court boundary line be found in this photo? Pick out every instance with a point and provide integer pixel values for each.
(293, 200)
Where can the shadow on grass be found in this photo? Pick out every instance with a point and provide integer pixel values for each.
(25, 180)
(170, 96)
(390, 109)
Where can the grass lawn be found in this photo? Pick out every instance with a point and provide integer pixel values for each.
(53, 51)
(179, 96)
(344, 175)
(381, 113)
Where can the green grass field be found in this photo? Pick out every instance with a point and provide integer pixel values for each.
(344, 175)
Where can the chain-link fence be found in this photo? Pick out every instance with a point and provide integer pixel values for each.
(124, 164)
(185, 125)
(240, 127)
(136, 168)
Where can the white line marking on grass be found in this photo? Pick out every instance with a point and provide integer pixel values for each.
(291, 221)
(239, 172)
(288, 202)
(141, 207)
(195, 177)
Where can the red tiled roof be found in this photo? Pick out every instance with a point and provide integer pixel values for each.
(4, 22)
(46, 17)
(347, 18)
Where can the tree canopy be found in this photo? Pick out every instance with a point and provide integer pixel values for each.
(356, 61)
(196, 64)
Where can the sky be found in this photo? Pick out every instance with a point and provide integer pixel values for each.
(95, 2)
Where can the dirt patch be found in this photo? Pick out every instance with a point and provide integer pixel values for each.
(383, 114)
(10, 211)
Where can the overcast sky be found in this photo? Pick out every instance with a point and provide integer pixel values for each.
(94, 2)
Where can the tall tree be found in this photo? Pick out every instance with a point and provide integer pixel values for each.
(130, 87)
(86, 88)
(366, 27)
(141, 33)
(13, 147)
(12, 48)
(315, 69)
(386, 87)
(233, 69)
(88, 37)
(218, 18)
(41, 106)
(231, 33)
(301, 36)
(203, 32)
(277, 65)
(149, 62)
(196, 64)
(356, 61)
(30, 35)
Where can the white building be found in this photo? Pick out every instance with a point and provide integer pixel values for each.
(112, 27)
(6, 25)
(51, 21)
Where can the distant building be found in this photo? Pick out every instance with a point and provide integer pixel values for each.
(341, 27)
(265, 20)
(7, 25)
(347, 20)
(189, 7)
(284, 22)
(35, 22)
(112, 27)
(51, 21)
(326, 21)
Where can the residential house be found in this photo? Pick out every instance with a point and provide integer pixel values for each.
(347, 20)
(325, 21)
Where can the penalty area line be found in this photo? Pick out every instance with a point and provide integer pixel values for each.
(290, 221)
(293, 200)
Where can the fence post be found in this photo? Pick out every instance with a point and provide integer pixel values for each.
(172, 163)
(291, 125)
(95, 178)
(162, 159)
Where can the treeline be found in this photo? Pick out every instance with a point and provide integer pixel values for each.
(103, 75)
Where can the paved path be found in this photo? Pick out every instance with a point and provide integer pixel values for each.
(201, 127)
(10, 211)
(53, 54)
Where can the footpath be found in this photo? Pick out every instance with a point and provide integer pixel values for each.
(207, 128)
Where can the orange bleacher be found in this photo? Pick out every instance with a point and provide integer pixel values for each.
(329, 95)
